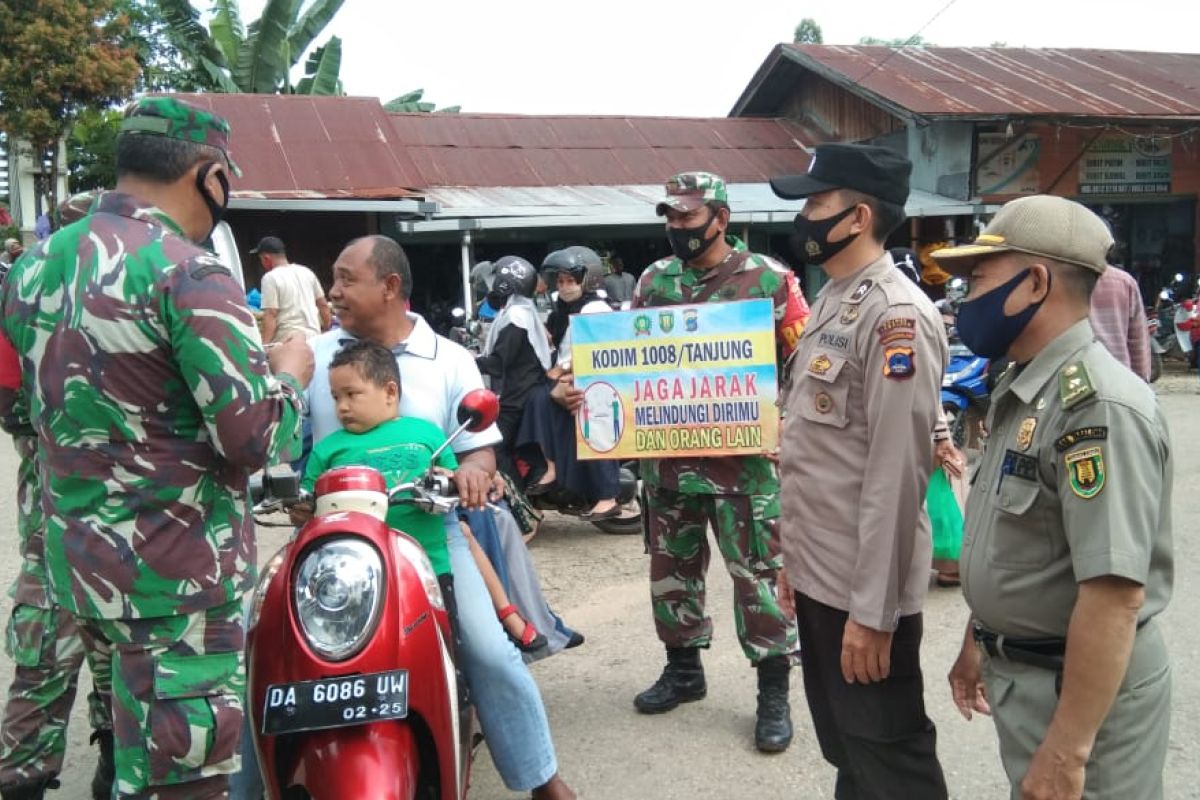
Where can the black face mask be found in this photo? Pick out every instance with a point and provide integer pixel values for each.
(691, 243)
(216, 210)
(811, 242)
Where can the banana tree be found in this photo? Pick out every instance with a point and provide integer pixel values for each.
(260, 56)
(412, 102)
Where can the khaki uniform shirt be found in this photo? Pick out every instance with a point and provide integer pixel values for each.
(857, 450)
(1075, 484)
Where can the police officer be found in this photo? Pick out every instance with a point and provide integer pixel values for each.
(738, 495)
(1067, 547)
(856, 457)
(43, 639)
(152, 400)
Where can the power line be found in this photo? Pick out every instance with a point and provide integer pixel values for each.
(907, 41)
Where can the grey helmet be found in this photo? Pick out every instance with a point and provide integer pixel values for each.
(579, 262)
(514, 275)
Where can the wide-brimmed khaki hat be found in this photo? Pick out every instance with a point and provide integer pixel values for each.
(1040, 225)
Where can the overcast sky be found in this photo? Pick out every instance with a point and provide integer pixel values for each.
(650, 57)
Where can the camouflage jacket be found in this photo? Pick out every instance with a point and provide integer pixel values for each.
(742, 276)
(149, 390)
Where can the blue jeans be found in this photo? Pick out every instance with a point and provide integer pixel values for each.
(505, 696)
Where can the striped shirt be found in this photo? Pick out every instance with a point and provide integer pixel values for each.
(1119, 320)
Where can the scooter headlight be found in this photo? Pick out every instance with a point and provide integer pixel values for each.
(338, 596)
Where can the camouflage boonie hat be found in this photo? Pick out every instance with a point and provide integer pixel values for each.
(168, 116)
(688, 191)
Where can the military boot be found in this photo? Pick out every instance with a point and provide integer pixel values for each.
(29, 790)
(682, 681)
(106, 768)
(773, 730)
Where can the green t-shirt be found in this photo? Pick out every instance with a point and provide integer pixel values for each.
(400, 449)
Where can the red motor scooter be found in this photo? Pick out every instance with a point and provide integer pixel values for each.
(353, 691)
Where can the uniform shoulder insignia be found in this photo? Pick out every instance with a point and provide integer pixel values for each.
(1071, 438)
(1074, 384)
(200, 267)
(862, 290)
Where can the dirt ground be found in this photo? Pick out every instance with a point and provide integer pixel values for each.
(705, 750)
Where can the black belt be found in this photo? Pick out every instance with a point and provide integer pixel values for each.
(1045, 653)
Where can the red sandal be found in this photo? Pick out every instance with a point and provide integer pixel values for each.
(530, 641)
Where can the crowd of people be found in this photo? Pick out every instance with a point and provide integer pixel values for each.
(141, 394)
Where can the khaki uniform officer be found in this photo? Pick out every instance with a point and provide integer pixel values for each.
(856, 456)
(1067, 545)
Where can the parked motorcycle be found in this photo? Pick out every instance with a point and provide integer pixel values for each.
(565, 501)
(967, 381)
(353, 691)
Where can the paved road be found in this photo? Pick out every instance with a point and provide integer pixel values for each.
(705, 750)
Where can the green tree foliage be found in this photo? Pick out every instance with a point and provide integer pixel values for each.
(808, 32)
(911, 41)
(258, 57)
(412, 102)
(59, 58)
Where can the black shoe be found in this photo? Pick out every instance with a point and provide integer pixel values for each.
(575, 640)
(29, 790)
(539, 489)
(773, 729)
(106, 768)
(682, 681)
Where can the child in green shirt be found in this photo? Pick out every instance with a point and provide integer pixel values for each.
(365, 382)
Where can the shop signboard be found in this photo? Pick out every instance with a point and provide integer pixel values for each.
(1117, 163)
(1008, 165)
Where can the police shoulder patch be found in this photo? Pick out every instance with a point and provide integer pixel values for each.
(899, 362)
(1074, 384)
(1085, 470)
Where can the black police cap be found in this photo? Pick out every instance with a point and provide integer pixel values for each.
(872, 170)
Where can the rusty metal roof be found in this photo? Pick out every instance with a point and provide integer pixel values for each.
(300, 147)
(989, 81)
(504, 150)
(306, 147)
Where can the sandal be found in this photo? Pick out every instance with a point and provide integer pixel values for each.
(530, 641)
(948, 580)
(595, 516)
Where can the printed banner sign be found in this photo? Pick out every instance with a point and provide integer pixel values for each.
(696, 380)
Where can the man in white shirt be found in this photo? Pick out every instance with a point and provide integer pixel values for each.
(372, 283)
(292, 297)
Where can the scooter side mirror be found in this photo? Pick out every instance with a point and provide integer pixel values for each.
(478, 410)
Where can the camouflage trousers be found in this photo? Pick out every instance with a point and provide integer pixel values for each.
(47, 652)
(747, 531)
(177, 685)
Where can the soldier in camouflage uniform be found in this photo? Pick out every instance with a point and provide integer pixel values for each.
(152, 399)
(739, 495)
(42, 638)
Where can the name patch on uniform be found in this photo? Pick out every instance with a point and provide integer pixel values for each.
(896, 329)
(1086, 471)
(1067, 440)
(1020, 465)
(898, 363)
(838, 341)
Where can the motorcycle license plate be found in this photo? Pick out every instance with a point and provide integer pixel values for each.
(335, 702)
